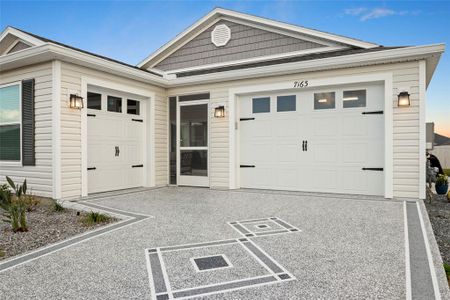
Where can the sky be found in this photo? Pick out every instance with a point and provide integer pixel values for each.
(130, 30)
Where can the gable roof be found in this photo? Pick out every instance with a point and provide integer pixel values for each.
(220, 13)
(36, 40)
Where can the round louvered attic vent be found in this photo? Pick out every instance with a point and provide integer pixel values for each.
(220, 35)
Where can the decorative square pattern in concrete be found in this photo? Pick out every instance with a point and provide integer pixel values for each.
(261, 227)
(193, 270)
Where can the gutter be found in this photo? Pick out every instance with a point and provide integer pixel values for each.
(51, 52)
(386, 56)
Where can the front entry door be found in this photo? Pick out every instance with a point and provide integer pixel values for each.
(192, 133)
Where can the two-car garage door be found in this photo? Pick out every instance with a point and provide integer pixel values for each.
(328, 140)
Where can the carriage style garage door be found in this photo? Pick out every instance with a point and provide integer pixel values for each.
(327, 140)
(115, 142)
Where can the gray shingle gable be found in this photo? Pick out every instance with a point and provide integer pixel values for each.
(246, 42)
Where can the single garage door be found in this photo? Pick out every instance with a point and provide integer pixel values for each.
(327, 140)
(115, 142)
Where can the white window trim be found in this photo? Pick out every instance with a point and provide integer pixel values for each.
(386, 78)
(15, 162)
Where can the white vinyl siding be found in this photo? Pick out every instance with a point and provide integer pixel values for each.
(39, 177)
(405, 121)
(71, 127)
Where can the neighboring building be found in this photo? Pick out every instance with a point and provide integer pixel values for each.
(235, 101)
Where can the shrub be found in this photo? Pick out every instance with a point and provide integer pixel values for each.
(15, 205)
(96, 217)
(442, 179)
(57, 206)
(2, 252)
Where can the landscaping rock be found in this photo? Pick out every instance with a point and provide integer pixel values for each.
(439, 213)
(44, 227)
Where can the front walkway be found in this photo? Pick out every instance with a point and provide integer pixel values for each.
(239, 245)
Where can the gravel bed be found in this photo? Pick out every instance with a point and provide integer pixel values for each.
(44, 227)
(439, 213)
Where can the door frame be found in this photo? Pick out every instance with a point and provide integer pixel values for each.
(192, 180)
(149, 128)
(386, 78)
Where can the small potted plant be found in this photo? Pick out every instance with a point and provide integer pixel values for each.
(442, 184)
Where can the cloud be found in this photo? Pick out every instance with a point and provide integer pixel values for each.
(7, 115)
(377, 13)
(365, 14)
(355, 11)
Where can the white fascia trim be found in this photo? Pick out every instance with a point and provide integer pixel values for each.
(220, 12)
(15, 43)
(56, 129)
(386, 78)
(177, 38)
(296, 28)
(21, 35)
(422, 129)
(71, 55)
(385, 56)
(297, 35)
(259, 59)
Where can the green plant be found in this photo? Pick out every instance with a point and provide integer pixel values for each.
(2, 253)
(14, 205)
(447, 172)
(95, 217)
(441, 179)
(57, 206)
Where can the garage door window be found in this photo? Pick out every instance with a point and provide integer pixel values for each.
(354, 98)
(324, 100)
(10, 122)
(261, 105)
(286, 103)
(114, 104)
(133, 107)
(94, 101)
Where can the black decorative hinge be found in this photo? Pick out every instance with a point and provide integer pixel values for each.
(137, 120)
(372, 169)
(247, 166)
(246, 119)
(93, 168)
(137, 166)
(377, 112)
(91, 115)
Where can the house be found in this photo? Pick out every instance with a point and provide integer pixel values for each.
(234, 101)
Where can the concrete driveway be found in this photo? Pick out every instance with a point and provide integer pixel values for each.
(239, 245)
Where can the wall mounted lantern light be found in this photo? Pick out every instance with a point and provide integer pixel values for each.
(76, 101)
(403, 99)
(219, 112)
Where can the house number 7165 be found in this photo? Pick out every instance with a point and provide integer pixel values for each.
(300, 84)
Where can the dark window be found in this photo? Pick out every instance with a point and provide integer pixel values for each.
(204, 96)
(354, 98)
(10, 122)
(133, 107)
(324, 100)
(286, 103)
(173, 139)
(261, 105)
(194, 162)
(94, 101)
(114, 104)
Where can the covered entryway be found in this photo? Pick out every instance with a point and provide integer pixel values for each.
(327, 140)
(115, 141)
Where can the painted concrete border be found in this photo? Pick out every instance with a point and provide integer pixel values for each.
(128, 219)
